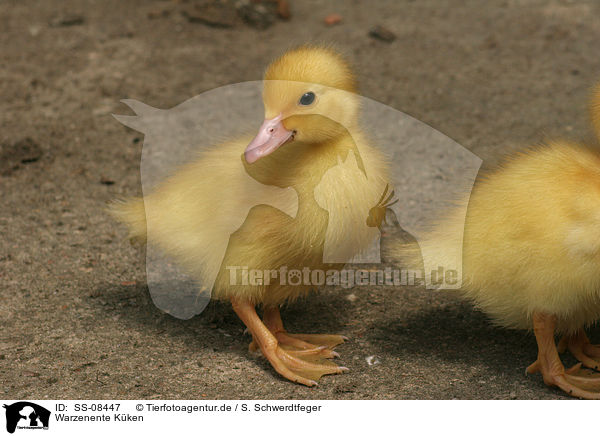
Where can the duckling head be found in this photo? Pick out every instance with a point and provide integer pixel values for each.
(309, 98)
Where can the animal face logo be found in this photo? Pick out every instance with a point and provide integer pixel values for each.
(426, 172)
(26, 415)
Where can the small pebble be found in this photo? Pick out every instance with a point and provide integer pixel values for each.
(67, 20)
(283, 9)
(372, 360)
(382, 33)
(333, 19)
(256, 15)
(106, 181)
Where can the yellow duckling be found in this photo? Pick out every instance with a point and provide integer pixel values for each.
(311, 127)
(531, 252)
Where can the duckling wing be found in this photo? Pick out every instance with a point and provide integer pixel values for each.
(191, 217)
(190, 220)
(197, 193)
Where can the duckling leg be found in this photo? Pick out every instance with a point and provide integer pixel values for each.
(293, 367)
(552, 369)
(579, 346)
(316, 344)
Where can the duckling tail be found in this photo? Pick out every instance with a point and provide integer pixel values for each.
(595, 110)
(132, 213)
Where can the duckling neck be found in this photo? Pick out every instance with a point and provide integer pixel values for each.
(307, 205)
(317, 159)
(312, 219)
(321, 158)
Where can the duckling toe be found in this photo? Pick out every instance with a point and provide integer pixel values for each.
(579, 346)
(585, 379)
(578, 386)
(307, 353)
(302, 343)
(592, 350)
(308, 365)
(328, 341)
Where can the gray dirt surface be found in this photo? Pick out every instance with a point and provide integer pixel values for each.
(76, 319)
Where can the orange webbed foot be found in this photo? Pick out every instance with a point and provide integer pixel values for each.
(574, 381)
(290, 355)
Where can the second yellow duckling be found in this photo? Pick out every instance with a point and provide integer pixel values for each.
(531, 253)
(311, 125)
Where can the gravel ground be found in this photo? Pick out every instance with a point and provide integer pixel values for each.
(76, 319)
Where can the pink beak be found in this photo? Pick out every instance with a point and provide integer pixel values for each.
(270, 137)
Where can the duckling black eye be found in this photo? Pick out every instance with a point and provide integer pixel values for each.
(307, 98)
